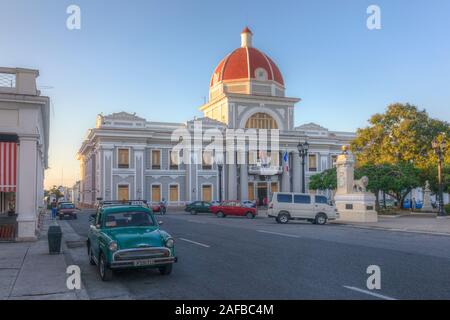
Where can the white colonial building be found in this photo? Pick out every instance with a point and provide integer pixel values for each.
(24, 140)
(128, 157)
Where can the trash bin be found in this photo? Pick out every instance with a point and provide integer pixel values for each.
(54, 239)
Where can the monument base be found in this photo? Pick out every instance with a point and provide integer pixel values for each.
(356, 207)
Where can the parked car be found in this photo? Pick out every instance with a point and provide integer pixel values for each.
(233, 208)
(198, 207)
(287, 206)
(67, 209)
(128, 237)
(159, 207)
(249, 204)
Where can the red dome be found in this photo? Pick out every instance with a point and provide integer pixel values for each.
(242, 63)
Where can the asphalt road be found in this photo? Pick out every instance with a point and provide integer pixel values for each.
(238, 258)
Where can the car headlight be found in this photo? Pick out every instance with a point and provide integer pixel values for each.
(112, 246)
(169, 243)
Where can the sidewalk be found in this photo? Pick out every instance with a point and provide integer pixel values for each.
(407, 223)
(28, 271)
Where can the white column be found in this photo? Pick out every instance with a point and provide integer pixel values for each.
(285, 177)
(139, 172)
(244, 178)
(232, 192)
(26, 196)
(296, 172)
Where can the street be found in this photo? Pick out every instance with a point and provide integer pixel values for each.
(239, 258)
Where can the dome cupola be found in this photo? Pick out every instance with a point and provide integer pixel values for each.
(247, 70)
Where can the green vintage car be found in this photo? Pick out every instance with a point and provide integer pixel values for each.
(128, 236)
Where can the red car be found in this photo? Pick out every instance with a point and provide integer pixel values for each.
(233, 208)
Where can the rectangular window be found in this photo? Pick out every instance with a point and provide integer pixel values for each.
(312, 162)
(174, 160)
(274, 187)
(284, 198)
(207, 160)
(207, 193)
(124, 158)
(173, 193)
(156, 159)
(123, 192)
(156, 193)
(300, 198)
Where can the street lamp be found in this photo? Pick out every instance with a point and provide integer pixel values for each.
(219, 161)
(439, 149)
(303, 152)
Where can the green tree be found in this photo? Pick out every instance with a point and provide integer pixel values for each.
(55, 192)
(402, 134)
(325, 180)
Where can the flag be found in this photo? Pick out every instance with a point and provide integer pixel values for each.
(286, 161)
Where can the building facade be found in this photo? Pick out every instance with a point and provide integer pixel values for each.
(24, 141)
(128, 157)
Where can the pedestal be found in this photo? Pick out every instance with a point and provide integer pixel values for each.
(356, 207)
(427, 207)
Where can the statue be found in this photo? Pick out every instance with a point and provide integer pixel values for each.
(361, 184)
(353, 201)
(427, 207)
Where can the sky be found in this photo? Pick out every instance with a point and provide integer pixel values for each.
(156, 58)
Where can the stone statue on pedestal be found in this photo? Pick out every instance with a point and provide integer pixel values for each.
(427, 198)
(353, 201)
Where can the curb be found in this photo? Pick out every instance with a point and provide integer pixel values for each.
(444, 234)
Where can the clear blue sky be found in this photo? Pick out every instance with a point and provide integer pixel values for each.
(155, 58)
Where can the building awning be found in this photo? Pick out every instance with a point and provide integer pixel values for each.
(8, 166)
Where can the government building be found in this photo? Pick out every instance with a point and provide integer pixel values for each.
(129, 157)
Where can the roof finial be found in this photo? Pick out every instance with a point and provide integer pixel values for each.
(246, 37)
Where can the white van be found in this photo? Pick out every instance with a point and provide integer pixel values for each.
(287, 206)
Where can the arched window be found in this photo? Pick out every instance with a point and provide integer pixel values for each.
(261, 121)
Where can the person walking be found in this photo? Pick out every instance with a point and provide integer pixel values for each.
(163, 206)
(54, 207)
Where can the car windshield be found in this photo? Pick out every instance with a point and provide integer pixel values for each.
(129, 219)
(67, 206)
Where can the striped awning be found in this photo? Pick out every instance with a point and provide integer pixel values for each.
(8, 166)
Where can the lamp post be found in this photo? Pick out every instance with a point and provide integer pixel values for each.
(303, 152)
(439, 149)
(219, 161)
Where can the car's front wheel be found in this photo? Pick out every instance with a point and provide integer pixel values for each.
(220, 214)
(165, 270)
(321, 218)
(250, 215)
(105, 272)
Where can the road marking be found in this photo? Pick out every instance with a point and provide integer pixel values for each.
(194, 242)
(280, 234)
(370, 293)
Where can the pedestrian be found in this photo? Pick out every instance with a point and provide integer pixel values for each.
(414, 204)
(163, 206)
(54, 207)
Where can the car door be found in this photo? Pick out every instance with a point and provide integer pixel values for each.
(320, 204)
(206, 207)
(304, 206)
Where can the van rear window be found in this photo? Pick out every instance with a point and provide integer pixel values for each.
(286, 198)
(300, 198)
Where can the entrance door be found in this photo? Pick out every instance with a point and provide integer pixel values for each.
(156, 193)
(123, 192)
(207, 193)
(262, 192)
(251, 191)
